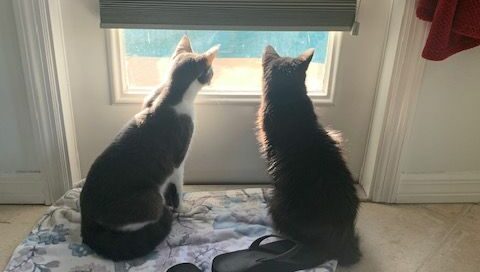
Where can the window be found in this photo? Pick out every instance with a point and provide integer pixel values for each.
(140, 58)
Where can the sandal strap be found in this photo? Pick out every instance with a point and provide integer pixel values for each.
(284, 257)
(256, 244)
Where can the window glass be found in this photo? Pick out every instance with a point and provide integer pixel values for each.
(238, 66)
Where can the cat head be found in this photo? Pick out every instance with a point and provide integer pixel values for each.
(285, 73)
(190, 65)
(188, 72)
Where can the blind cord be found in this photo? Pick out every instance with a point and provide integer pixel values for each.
(356, 23)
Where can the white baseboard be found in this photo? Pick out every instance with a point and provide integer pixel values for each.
(439, 187)
(22, 188)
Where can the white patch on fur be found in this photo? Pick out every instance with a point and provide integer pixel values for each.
(134, 226)
(175, 178)
(186, 106)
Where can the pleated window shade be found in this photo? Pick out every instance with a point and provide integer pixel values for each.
(318, 15)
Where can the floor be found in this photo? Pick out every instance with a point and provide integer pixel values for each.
(433, 237)
(16, 221)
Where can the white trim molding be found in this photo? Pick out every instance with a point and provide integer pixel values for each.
(397, 90)
(23, 188)
(121, 93)
(40, 33)
(439, 187)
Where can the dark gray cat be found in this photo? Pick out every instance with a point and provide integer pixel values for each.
(130, 186)
(314, 201)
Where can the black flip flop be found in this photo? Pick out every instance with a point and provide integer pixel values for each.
(279, 256)
(184, 267)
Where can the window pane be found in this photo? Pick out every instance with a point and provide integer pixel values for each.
(238, 66)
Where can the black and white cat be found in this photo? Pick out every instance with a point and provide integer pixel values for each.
(314, 200)
(130, 186)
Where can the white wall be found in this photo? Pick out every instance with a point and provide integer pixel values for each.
(445, 136)
(17, 152)
(441, 157)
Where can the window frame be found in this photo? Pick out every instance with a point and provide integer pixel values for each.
(122, 94)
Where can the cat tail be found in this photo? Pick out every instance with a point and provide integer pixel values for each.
(126, 245)
(349, 252)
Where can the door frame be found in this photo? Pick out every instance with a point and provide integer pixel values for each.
(398, 86)
(41, 35)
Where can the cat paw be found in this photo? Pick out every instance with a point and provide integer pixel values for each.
(184, 208)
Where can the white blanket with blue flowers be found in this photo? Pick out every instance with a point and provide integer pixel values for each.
(218, 222)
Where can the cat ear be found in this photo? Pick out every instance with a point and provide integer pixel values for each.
(183, 46)
(211, 54)
(306, 57)
(269, 54)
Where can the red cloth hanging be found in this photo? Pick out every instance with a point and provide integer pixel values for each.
(455, 26)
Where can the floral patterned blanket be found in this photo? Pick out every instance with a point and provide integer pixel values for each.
(218, 222)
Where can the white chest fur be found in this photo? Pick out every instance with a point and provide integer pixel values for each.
(186, 106)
